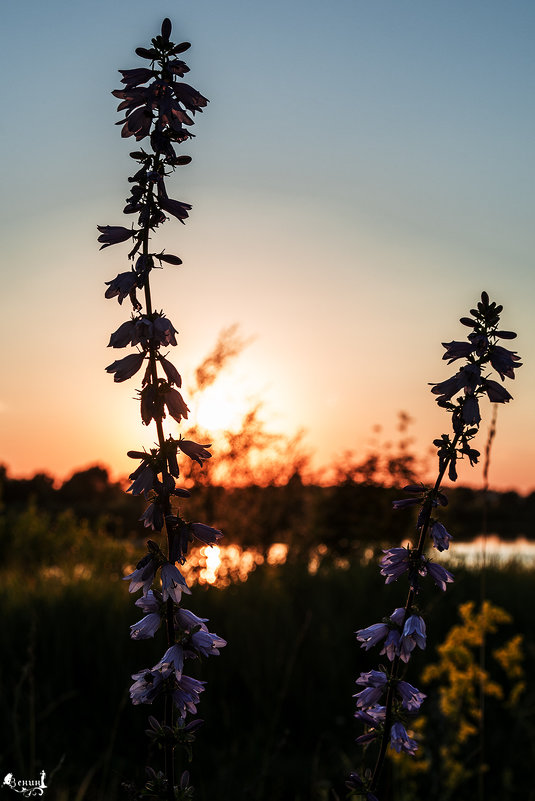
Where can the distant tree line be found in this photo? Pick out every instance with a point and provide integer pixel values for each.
(346, 517)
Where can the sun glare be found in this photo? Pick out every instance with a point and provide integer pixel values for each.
(217, 408)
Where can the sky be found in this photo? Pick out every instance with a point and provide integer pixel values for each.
(362, 172)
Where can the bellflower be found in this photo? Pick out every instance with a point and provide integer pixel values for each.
(143, 576)
(411, 698)
(372, 635)
(413, 635)
(385, 700)
(173, 583)
(186, 695)
(400, 740)
(439, 535)
(157, 107)
(146, 627)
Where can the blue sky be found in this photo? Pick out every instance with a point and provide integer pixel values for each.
(362, 172)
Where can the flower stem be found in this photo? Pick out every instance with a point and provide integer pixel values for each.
(428, 506)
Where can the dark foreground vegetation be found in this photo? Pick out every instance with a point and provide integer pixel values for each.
(278, 706)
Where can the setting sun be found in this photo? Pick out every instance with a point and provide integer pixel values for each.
(219, 407)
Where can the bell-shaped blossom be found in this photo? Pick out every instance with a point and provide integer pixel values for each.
(112, 234)
(148, 684)
(504, 361)
(186, 695)
(413, 635)
(149, 603)
(439, 535)
(206, 643)
(394, 563)
(372, 635)
(205, 534)
(146, 627)
(175, 404)
(457, 350)
(153, 517)
(439, 574)
(198, 453)
(391, 646)
(175, 207)
(125, 335)
(172, 660)
(496, 393)
(372, 715)
(374, 683)
(185, 621)
(121, 286)
(143, 482)
(143, 576)
(400, 740)
(124, 369)
(173, 376)
(411, 698)
(173, 583)
(164, 331)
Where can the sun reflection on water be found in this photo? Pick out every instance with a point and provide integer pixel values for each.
(222, 565)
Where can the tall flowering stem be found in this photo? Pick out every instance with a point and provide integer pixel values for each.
(387, 702)
(159, 108)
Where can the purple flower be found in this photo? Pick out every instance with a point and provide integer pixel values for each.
(126, 368)
(173, 583)
(373, 715)
(468, 378)
(372, 635)
(186, 620)
(122, 285)
(195, 451)
(175, 207)
(441, 538)
(164, 331)
(504, 361)
(173, 376)
(144, 574)
(457, 350)
(143, 480)
(496, 393)
(151, 602)
(207, 644)
(404, 502)
(125, 335)
(186, 695)
(175, 404)
(153, 517)
(172, 660)
(375, 682)
(391, 646)
(146, 627)
(112, 234)
(400, 740)
(439, 574)
(413, 635)
(411, 698)
(148, 685)
(205, 534)
(394, 563)
(398, 615)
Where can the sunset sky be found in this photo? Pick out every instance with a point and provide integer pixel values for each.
(362, 172)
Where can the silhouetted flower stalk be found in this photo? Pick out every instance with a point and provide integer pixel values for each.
(160, 108)
(387, 702)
